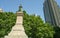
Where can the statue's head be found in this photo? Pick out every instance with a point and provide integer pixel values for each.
(20, 8)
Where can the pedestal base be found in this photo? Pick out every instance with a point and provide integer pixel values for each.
(17, 32)
(15, 36)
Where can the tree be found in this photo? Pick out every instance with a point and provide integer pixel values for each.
(36, 28)
(57, 32)
(7, 20)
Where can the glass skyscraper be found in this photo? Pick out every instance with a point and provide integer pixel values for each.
(51, 12)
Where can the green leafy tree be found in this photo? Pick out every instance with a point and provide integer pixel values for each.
(34, 25)
(36, 28)
(7, 20)
(57, 32)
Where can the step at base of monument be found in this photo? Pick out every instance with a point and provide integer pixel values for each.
(16, 37)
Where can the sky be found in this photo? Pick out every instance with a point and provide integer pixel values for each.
(30, 6)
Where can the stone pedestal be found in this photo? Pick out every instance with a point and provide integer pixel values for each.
(18, 30)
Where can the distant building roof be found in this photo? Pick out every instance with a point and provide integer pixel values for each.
(1, 10)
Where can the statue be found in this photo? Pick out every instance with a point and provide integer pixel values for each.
(20, 8)
(18, 29)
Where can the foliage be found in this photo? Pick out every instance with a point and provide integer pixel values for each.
(36, 28)
(57, 32)
(7, 20)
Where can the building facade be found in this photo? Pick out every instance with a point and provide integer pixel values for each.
(51, 12)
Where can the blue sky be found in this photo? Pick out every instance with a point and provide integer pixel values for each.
(31, 6)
